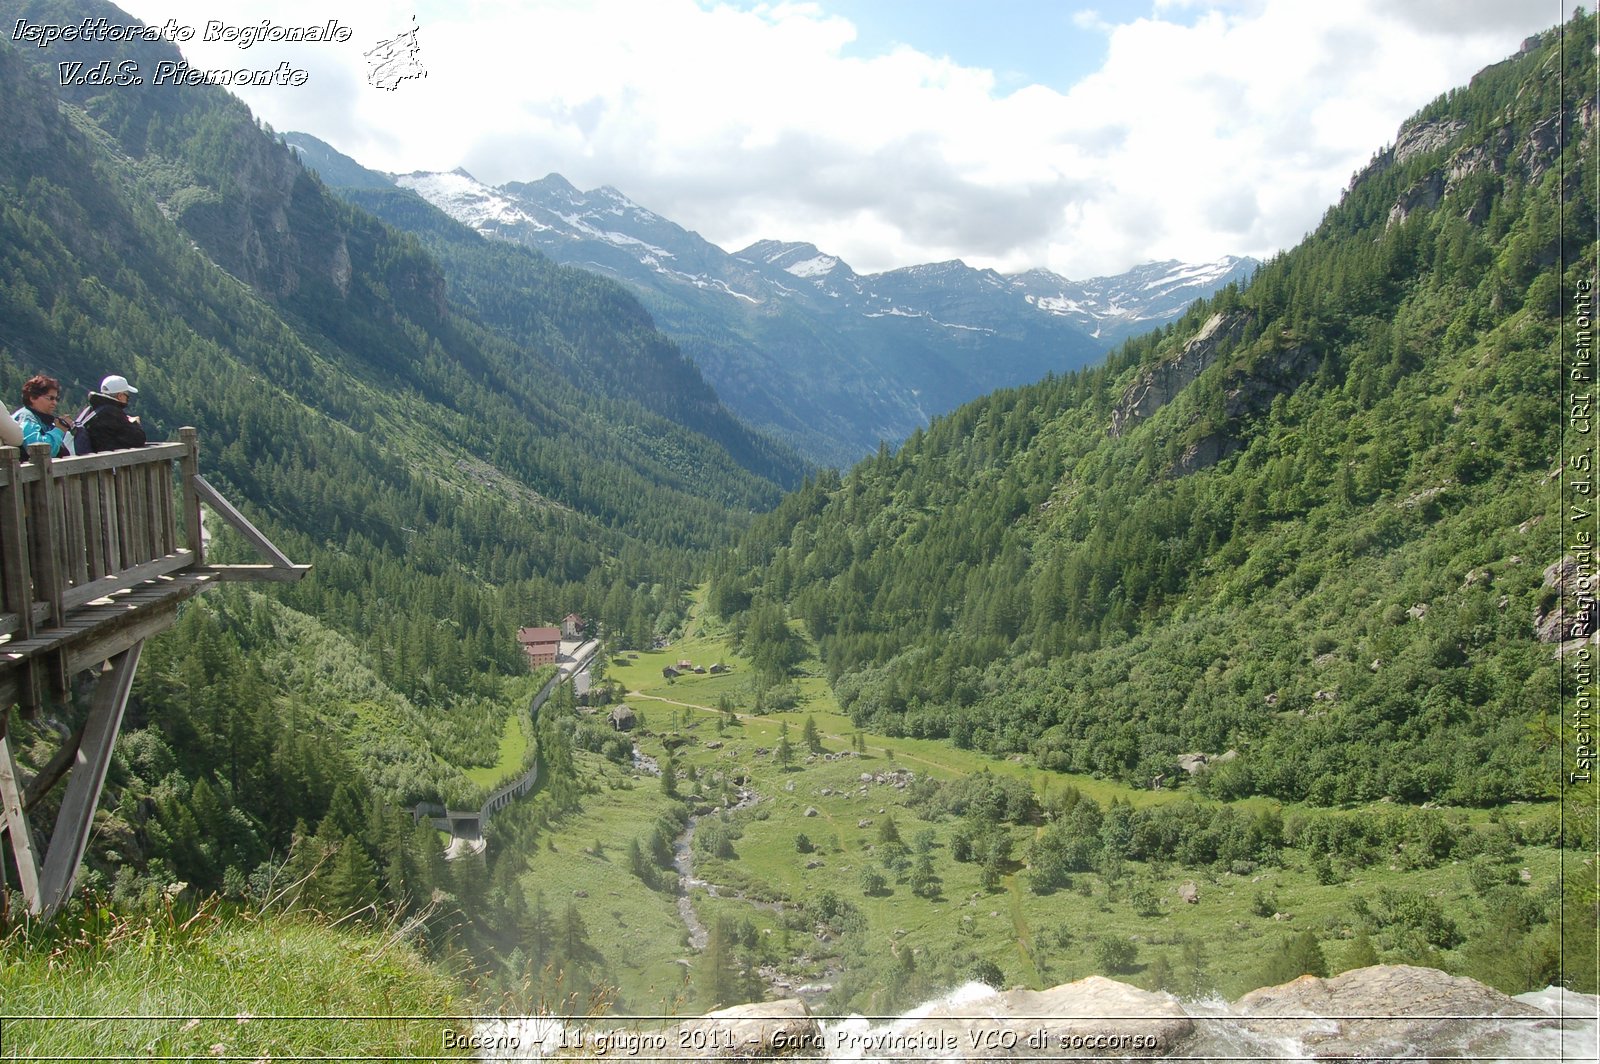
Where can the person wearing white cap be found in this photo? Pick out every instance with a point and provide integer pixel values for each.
(104, 424)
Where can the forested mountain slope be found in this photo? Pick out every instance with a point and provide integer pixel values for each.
(1310, 522)
(449, 475)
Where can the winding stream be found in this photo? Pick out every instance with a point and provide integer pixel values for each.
(683, 859)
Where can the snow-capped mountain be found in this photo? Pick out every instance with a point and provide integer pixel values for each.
(1144, 297)
(792, 338)
(551, 212)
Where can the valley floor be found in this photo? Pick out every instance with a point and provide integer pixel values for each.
(791, 861)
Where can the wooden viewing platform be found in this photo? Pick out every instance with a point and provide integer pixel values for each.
(92, 563)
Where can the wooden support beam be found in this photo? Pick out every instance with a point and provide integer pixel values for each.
(131, 630)
(76, 819)
(257, 539)
(98, 631)
(274, 573)
(126, 578)
(15, 823)
(190, 471)
(52, 772)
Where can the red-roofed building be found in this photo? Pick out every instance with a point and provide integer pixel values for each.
(571, 626)
(540, 644)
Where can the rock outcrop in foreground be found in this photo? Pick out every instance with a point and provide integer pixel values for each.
(1091, 1017)
(1382, 1012)
(1386, 1009)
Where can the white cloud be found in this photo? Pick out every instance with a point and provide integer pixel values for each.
(1210, 128)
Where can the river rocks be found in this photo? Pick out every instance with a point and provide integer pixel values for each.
(1195, 763)
(1384, 1009)
(898, 778)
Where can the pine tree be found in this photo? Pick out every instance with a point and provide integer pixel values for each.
(718, 972)
(1295, 956)
(784, 754)
(572, 937)
(810, 736)
(351, 883)
(1361, 953)
(924, 881)
(539, 932)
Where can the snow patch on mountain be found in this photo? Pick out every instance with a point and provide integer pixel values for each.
(818, 266)
(580, 223)
(468, 200)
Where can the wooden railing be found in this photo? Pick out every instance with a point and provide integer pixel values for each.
(79, 529)
(75, 530)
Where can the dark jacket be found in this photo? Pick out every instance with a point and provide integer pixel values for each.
(108, 426)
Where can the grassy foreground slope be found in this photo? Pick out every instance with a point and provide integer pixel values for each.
(193, 985)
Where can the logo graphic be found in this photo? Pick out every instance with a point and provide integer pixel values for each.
(395, 60)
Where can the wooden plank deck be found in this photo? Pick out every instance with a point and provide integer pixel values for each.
(103, 628)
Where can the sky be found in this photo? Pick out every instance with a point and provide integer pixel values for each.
(1012, 134)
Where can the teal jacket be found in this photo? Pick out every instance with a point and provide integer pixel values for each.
(35, 429)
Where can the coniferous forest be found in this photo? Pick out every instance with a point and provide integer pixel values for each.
(1327, 553)
(1300, 549)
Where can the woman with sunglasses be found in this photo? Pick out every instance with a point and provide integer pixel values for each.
(38, 418)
